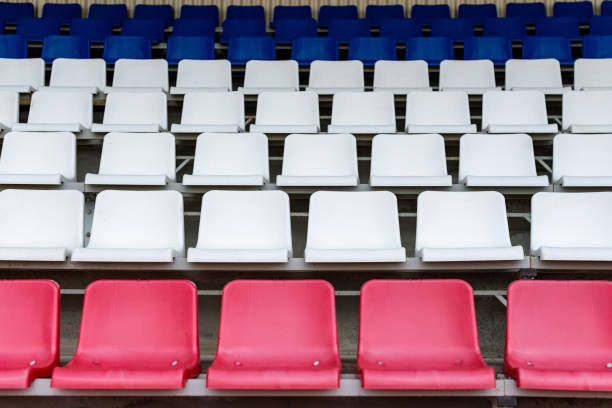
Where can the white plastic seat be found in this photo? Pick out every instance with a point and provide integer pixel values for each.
(230, 159)
(70, 74)
(135, 226)
(202, 75)
(474, 77)
(438, 112)
(515, 112)
(401, 77)
(133, 112)
(61, 111)
(21, 75)
(319, 160)
(582, 160)
(363, 112)
(408, 161)
(134, 75)
(287, 112)
(243, 226)
(498, 161)
(211, 112)
(40, 225)
(571, 226)
(270, 76)
(329, 77)
(9, 109)
(587, 112)
(38, 158)
(136, 159)
(460, 226)
(592, 74)
(353, 227)
(535, 74)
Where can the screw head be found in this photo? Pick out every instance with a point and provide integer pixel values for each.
(238, 363)
(380, 363)
(32, 362)
(316, 363)
(174, 363)
(609, 365)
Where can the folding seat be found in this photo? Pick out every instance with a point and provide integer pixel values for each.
(426, 13)
(319, 160)
(29, 349)
(582, 10)
(69, 74)
(193, 27)
(582, 160)
(597, 46)
(414, 161)
(207, 12)
(592, 74)
(58, 111)
(329, 13)
(243, 226)
(135, 159)
(64, 46)
(202, 76)
(512, 28)
(472, 77)
(150, 28)
(557, 26)
(498, 161)
(135, 335)
(288, 30)
(35, 29)
(401, 77)
(263, 323)
(40, 225)
(329, 77)
(96, 30)
(548, 47)
(369, 50)
(457, 29)
(65, 13)
(587, 112)
(243, 27)
(432, 50)
(515, 112)
(363, 112)
(287, 112)
(399, 29)
(600, 25)
(9, 109)
(245, 12)
(21, 75)
(343, 30)
(496, 49)
(606, 8)
(52, 161)
(542, 75)
(181, 48)
(211, 112)
(133, 112)
(162, 12)
(477, 12)
(134, 75)
(399, 349)
(135, 226)
(438, 112)
(309, 49)
(243, 49)
(376, 14)
(13, 45)
(230, 159)
(13, 12)
(528, 12)
(260, 76)
(290, 13)
(119, 47)
(115, 13)
(463, 226)
(335, 236)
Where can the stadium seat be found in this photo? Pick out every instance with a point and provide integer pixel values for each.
(230, 159)
(245, 12)
(162, 12)
(600, 25)
(597, 46)
(133, 75)
(463, 227)
(22, 75)
(13, 12)
(606, 8)
(115, 13)
(261, 76)
(557, 27)
(65, 13)
(415, 161)
(376, 14)
(548, 47)
(290, 13)
(287, 112)
(118, 47)
(135, 335)
(319, 160)
(135, 226)
(329, 13)
(195, 76)
(557, 336)
(432, 50)
(243, 27)
(457, 29)
(512, 28)
(95, 30)
(189, 48)
(68, 74)
(515, 112)
(35, 29)
(399, 349)
(50, 163)
(287, 30)
(309, 49)
(542, 75)
(9, 109)
(426, 13)
(369, 50)
(243, 49)
(13, 45)
(64, 46)
(587, 112)
(438, 112)
(40, 225)
(477, 12)
(496, 49)
(206, 12)
(582, 10)
(216, 112)
(135, 159)
(528, 12)
(334, 236)
(592, 74)
(263, 323)
(329, 77)
(193, 27)
(363, 112)
(243, 226)
(498, 161)
(582, 160)
(150, 28)
(401, 77)
(399, 29)
(134, 112)
(343, 30)
(29, 312)
(58, 111)
(472, 77)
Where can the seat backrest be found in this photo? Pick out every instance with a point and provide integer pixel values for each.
(124, 46)
(431, 49)
(38, 28)
(208, 12)
(453, 28)
(213, 108)
(467, 74)
(39, 153)
(363, 108)
(50, 107)
(136, 108)
(336, 74)
(581, 155)
(416, 155)
(69, 72)
(113, 12)
(376, 13)
(193, 27)
(243, 49)
(134, 73)
(272, 74)
(289, 29)
(557, 26)
(496, 49)
(63, 12)
(586, 108)
(582, 10)
(205, 74)
(247, 12)
(508, 27)
(597, 46)
(13, 45)
(291, 13)
(9, 108)
(600, 25)
(514, 108)
(282, 108)
(399, 29)
(592, 73)
(401, 74)
(138, 220)
(27, 71)
(535, 47)
(343, 29)
(64, 46)
(41, 219)
(13, 12)
(606, 8)
(369, 50)
(163, 12)
(309, 49)
(461, 220)
(477, 12)
(320, 155)
(542, 73)
(529, 12)
(243, 27)
(329, 13)
(437, 108)
(428, 12)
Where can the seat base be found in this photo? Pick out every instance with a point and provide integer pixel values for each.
(331, 91)
(182, 90)
(257, 91)
(132, 89)
(564, 380)
(314, 181)
(89, 89)
(586, 181)
(272, 379)
(544, 90)
(202, 180)
(33, 179)
(514, 253)
(361, 129)
(401, 91)
(471, 90)
(122, 255)
(107, 128)
(227, 128)
(600, 128)
(312, 255)
(255, 128)
(475, 378)
(506, 181)
(126, 180)
(575, 254)
(411, 181)
(518, 128)
(47, 127)
(16, 378)
(33, 254)
(451, 129)
(280, 255)
(87, 378)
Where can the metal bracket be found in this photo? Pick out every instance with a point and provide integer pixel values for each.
(528, 273)
(506, 402)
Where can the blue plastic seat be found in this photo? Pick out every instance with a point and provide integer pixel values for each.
(243, 27)
(376, 14)
(193, 48)
(329, 13)
(426, 13)
(581, 10)
(606, 8)
(65, 13)
(496, 49)
(113, 12)
(477, 12)
(431, 49)
(245, 12)
(400, 29)
(96, 30)
(64, 46)
(287, 30)
(290, 12)
(548, 47)
(243, 49)
(308, 49)
(163, 12)
(152, 28)
(529, 12)
(13, 46)
(371, 49)
(509, 27)
(601, 25)
(456, 29)
(13, 12)
(345, 29)
(35, 29)
(597, 46)
(207, 12)
(193, 27)
(558, 26)
(116, 47)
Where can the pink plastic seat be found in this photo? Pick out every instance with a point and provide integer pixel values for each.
(29, 331)
(276, 335)
(559, 335)
(135, 334)
(420, 335)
